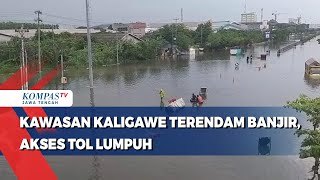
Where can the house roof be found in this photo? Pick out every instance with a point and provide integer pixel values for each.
(137, 25)
(312, 61)
(111, 37)
(135, 37)
(7, 35)
(252, 23)
(234, 25)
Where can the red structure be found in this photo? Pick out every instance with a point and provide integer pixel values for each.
(137, 25)
(138, 29)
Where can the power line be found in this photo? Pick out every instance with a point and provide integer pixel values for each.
(15, 14)
(20, 21)
(18, 12)
(74, 21)
(70, 18)
(46, 22)
(24, 73)
(62, 17)
(66, 24)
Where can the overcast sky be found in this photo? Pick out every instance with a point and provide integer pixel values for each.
(72, 12)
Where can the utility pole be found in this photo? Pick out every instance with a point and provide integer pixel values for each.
(26, 64)
(201, 34)
(62, 69)
(52, 36)
(174, 39)
(177, 19)
(53, 44)
(24, 75)
(117, 48)
(96, 163)
(39, 43)
(89, 46)
(181, 15)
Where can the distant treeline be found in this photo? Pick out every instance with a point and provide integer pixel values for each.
(108, 52)
(74, 50)
(14, 25)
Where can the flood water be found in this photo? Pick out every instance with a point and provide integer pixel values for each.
(138, 85)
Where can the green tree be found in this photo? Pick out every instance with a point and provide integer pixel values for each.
(231, 38)
(202, 33)
(14, 25)
(151, 47)
(310, 146)
(280, 35)
(104, 54)
(176, 34)
(215, 40)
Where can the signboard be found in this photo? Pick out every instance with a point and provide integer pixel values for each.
(267, 35)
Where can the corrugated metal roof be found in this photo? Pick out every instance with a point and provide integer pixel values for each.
(312, 61)
(1, 34)
(110, 37)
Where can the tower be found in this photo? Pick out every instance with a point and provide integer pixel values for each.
(245, 6)
(181, 15)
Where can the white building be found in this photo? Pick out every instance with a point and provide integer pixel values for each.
(248, 18)
(218, 25)
(265, 25)
(314, 26)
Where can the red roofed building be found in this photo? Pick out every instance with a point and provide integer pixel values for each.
(137, 29)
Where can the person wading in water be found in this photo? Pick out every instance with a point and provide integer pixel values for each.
(161, 94)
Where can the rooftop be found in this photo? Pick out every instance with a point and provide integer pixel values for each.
(110, 37)
(312, 61)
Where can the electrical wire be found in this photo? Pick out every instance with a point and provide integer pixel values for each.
(71, 19)
(15, 14)
(74, 22)
(62, 17)
(65, 24)
(19, 20)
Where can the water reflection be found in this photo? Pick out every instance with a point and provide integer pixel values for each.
(313, 82)
(92, 97)
(162, 104)
(216, 55)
